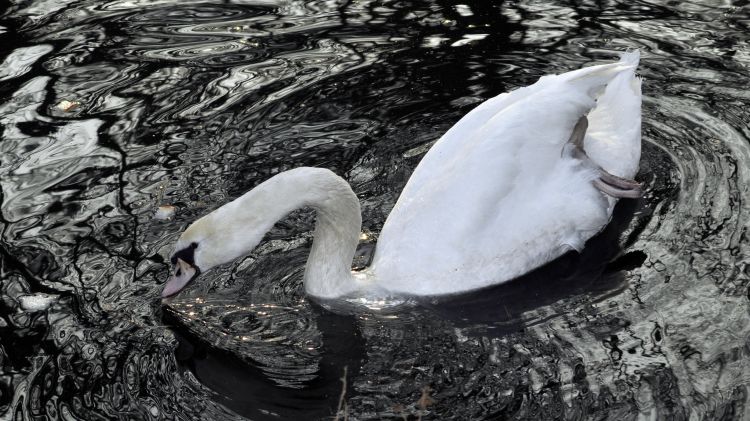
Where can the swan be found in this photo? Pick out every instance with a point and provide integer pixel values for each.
(521, 179)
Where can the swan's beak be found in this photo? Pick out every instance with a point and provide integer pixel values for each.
(183, 274)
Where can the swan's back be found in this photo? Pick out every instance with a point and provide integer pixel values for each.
(495, 197)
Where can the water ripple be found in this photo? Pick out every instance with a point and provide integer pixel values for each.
(110, 109)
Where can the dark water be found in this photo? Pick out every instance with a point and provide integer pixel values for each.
(193, 103)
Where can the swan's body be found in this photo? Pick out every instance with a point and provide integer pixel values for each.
(501, 193)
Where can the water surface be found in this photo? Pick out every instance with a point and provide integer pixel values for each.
(193, 103)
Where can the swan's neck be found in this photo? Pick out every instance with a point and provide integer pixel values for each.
(328, 272)
(245, 221)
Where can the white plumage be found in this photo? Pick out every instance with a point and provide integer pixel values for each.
(501, 193)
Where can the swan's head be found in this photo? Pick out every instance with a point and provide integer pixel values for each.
(192, 255)
(184, 269)
(217, 238)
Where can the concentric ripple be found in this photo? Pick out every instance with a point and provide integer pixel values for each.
(282, 342)
(110, 109)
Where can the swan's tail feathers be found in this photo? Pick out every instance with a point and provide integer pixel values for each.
(630, 58)
(613, 139)
(594, 79)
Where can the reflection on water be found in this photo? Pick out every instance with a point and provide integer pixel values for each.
(193, 104)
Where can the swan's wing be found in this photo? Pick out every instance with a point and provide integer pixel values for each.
(472, 127)
(499, 190)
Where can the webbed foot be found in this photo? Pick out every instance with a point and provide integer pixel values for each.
(617, 187)
(579, 132)
(607, 183)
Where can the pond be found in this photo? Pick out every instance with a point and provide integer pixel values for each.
(110, 109)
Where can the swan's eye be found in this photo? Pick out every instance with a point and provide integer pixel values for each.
(179, 271)
(187, 255)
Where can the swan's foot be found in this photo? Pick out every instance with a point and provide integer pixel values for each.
(617, 187)
(606, 183)
(619, 182)
(579, 132)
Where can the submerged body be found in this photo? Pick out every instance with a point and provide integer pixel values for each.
(513, 185)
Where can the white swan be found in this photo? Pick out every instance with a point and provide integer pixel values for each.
(514, 184)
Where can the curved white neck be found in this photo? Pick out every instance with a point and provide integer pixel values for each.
(328, 272)
(245, 221)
